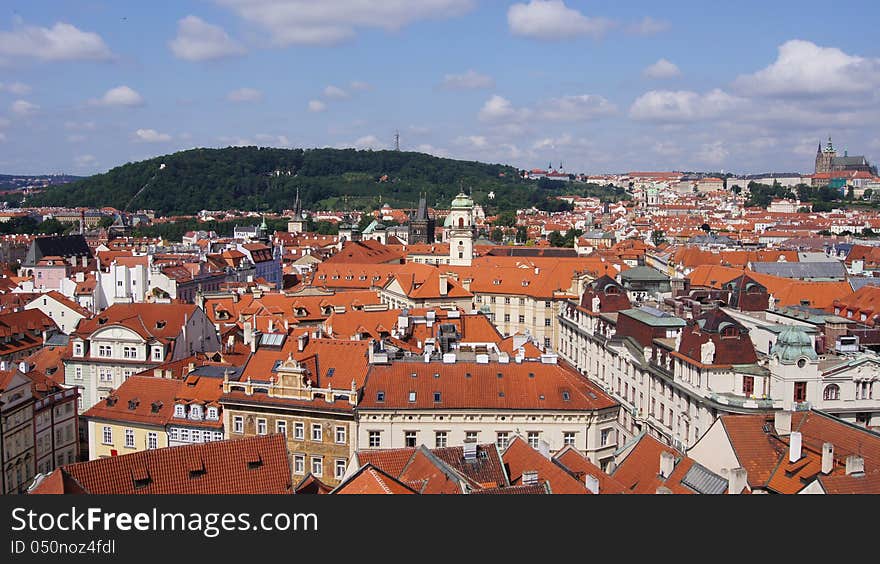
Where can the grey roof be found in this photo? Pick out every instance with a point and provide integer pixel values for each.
(858, 160)
(712, 239)
(815, 257)
(862, 281)
(802, 270)
(704, 481)
(60, 245)
(654, 317)
(57, 340)
(643, 273)
(213, 371)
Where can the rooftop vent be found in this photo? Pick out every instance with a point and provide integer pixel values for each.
(155, 406)
(133, 403)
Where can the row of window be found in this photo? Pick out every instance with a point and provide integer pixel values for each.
(107, 438)
(128, 352)
(299, 429)
(194, 435)
(502, 438)
(522, 301)
(195, 412)
(317, 466)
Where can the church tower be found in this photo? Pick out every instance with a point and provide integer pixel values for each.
(460, 225)
(825, 157)
(297, 223)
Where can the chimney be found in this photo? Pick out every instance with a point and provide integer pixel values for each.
(855, 465)
(592, 484)
(470, 451)
(667, 463)
(254, 338)
(248, 333)
(302, 341)
(737, 481)
(782, 422)
(544, 448)
(530, 478)
(795, 444)
(827, 458)
(444, 285)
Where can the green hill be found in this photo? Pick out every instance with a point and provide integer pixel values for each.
(245, 178)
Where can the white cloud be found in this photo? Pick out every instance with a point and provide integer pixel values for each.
(61, 42)
(335, 93)
(662, 69)
(325, 23)
(23, 108)
(360, 85)
(471, 80)
(120, 96)
(245, 95)
(648, 26)
(197, 40)
(682, 106)
(432, 150)
(85, 161)
(17, 88)
(76, 138)
(498, 109)
(369, 142)
(474, 141)
(713, 153)
(316, 106)
(576, 108)
(666, 148)
(151, 136)
(804, 69)
(272, 140)
(553, 20)
(79, 126)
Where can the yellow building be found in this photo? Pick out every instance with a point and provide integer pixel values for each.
(147, 412)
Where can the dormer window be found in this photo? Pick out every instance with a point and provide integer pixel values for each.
(180, 410)
(157, 354)
(195, 412)
(77, 349)
(212, 414)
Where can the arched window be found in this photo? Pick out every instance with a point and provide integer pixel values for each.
(832, 392)
(460, 222)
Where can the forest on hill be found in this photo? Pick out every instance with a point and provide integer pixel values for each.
(267, 179)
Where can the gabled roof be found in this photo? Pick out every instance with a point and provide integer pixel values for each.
(371, 480)
(639, 472)
(159, 321)
(520, 458)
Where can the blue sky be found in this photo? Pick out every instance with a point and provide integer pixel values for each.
(601, 86)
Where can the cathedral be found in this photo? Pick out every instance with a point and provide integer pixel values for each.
(828, 161)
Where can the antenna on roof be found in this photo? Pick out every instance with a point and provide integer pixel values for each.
(397, 140)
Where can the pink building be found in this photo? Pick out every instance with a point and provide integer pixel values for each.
(49, 272)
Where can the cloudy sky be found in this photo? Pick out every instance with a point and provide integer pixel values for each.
(601, 86)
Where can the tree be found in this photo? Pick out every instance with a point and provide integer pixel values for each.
(868, 232)
(556, 239)
(522, 234)
(705, 227)
(497, 235)
(506, 219)
(867, 194)
(106, 221)
(658, 237)
(736, 189)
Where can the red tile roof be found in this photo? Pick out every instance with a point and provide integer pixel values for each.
(253, 465)
(469, 385)
(520, 458)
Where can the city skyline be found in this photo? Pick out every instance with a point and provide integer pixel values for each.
(597, 86)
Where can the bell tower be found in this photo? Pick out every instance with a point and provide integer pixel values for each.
(460, 223)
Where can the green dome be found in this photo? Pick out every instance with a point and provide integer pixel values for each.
(462, 201)
(793, 343)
